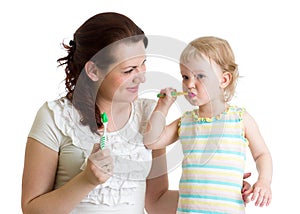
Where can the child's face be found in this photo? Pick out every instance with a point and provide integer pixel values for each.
(201, 79)
(121, 84)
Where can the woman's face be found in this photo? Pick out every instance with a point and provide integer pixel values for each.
(121, 84)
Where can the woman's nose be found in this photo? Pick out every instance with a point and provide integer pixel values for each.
(139, 77)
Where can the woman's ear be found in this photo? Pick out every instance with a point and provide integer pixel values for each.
(225, 79)
(92, 71)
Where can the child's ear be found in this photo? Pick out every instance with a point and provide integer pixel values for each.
(92, 71)
(225, 79)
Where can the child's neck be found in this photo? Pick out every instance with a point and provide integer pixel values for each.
(212, 109)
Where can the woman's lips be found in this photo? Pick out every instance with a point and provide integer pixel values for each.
(133, 89)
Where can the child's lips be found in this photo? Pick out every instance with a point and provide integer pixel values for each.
(191, 94)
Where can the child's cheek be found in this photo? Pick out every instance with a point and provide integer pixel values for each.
(184, 88)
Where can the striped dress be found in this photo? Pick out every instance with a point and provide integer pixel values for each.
(213, 165)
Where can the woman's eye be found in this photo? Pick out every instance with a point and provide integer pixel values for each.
(129, 71)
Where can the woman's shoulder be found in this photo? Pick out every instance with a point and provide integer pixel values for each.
(59, 104)
(44, 128)
(56, 113)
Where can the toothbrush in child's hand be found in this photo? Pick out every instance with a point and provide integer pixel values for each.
(103, 139)
(173, 93)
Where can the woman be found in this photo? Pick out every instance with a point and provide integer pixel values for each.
(65, 171)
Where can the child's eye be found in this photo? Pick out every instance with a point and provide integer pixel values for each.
(200, 76)
(184, 77)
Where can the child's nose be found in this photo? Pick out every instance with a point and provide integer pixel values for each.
(190, 83)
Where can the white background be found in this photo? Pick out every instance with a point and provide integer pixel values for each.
(263, 34)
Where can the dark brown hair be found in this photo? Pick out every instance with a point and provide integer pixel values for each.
(92, 36)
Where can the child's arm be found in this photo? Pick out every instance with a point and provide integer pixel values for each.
(168, 135)
(260, 152)
(158, 135)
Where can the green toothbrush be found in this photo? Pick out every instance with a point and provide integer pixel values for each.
(173, 93)
(103, 139)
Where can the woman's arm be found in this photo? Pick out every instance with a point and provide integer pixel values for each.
(39, 174)
(159, 199)
(262, 157)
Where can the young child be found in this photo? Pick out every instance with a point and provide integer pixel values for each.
(215, 136)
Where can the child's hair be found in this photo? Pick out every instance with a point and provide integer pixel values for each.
(220, 52)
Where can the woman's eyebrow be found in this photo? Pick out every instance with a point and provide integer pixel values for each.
(129, 67)
(132, 66)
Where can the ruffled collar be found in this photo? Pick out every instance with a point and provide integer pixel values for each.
(67, 118)
(197, 118)
(132, 161)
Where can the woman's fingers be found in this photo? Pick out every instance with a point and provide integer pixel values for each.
(102, 159)
(100, 165)
(247, 175)
(96, 148)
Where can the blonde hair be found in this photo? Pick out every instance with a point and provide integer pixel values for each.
(220, 52)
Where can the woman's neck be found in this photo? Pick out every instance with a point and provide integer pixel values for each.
(118, 113)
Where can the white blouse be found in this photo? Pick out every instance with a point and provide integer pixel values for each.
(57, 125)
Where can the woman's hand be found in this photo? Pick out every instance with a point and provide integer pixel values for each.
(99, 166)
(247, 189)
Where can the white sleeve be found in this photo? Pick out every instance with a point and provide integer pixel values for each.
(44, 129)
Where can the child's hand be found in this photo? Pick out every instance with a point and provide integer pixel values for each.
(261, 193)
(164, 103)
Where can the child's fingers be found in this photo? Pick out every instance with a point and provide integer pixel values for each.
(255, 194)
(266, 199)
(260, 197)
(269, 200)
(169, 91)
